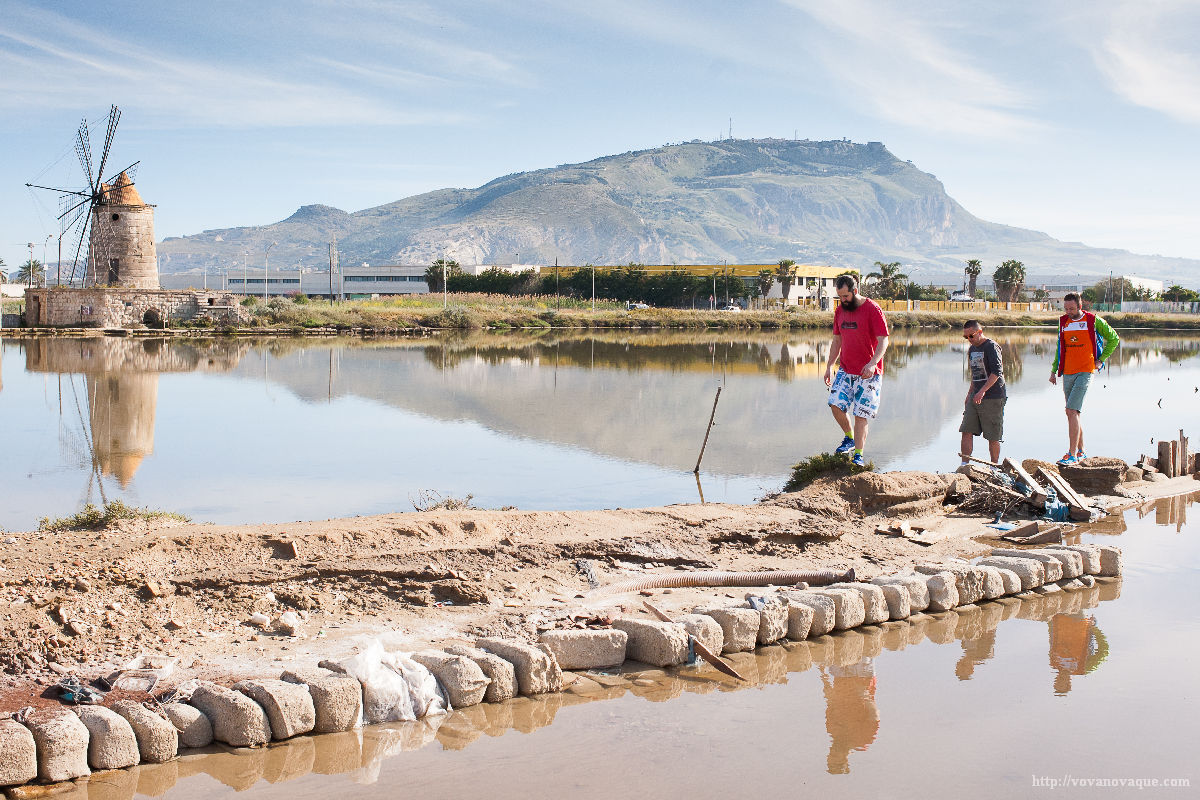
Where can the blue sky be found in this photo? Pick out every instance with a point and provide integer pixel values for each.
(1076, 118)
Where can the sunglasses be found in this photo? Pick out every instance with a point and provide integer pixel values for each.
(971, 335)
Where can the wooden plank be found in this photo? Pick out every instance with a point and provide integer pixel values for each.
(1064, 490)
(1165, 462)
(1174, 458)
(966, 457)
(1183, 459)
(1039, 494)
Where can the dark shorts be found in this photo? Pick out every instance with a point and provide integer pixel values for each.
(986, 419)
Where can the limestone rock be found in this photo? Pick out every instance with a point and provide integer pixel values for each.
(462, 678)
(1111, 564)
(824, 611)
(18, 754)
(772, 621)
(800, 619)
(706, 630)
(968, 579)
(236, 719)
(849, 609)
(660, 644)
(62, 744)
(943, 591)
(337, 699)
(537, 671)
(1095, 475)
(1032, 573)
(897, 599)
(289, 706)
(194, 728)
(875, 605)
(739, 626)
(918, 590)
(993, 583)
(501, 673)
(1012, 581)
(1072, 562)
(1051, 566)
(1090, 554)
(590, 648)
(111, 743)
(157, 739)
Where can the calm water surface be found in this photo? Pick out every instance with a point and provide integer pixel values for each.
(233, 431)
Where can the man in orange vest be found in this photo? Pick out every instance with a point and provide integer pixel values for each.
(1085, 343)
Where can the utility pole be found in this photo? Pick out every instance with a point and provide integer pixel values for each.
(29, 279)
(58, 271)
(266, 259)
(593, 288)
(332, 263)
(557, 296)
(445, 282)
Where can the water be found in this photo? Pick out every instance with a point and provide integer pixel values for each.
(1081, 685)
(235, 431)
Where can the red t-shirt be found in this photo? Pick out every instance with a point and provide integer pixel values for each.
(859, 329)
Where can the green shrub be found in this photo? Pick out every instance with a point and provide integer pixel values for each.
(92, 518)
(822, 465)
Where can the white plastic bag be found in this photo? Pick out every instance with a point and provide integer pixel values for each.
(386, 694)
(426, 695)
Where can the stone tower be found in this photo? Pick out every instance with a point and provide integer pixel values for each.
(122, 238)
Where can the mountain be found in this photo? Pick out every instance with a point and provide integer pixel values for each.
(744, 201)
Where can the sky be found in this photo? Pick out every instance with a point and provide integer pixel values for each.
(1075, 117)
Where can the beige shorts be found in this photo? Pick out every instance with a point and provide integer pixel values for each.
(986, 419)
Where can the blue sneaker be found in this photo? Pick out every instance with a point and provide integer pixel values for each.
(846, 446)
(1080, 456)
(1067, 460)
(857, 460)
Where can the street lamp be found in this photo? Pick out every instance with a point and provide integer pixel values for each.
(266, 258)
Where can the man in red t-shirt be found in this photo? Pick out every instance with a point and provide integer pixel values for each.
(860, 338)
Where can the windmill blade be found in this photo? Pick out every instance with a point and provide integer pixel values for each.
(83, 232)
(60, 191)
(129, 171)
(114, 116)
(83, 202)
(83, 149)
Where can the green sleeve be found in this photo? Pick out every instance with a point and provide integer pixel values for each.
(1111, 340)
(1054, 364)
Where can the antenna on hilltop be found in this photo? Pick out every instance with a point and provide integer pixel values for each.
(731, 127)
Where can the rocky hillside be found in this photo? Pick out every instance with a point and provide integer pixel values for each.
(738, 200)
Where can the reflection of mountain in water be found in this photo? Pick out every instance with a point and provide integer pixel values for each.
(121, 378)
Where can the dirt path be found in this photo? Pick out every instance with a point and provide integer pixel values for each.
(88, 601)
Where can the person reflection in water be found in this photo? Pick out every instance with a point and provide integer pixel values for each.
(851, 716)
(1077, 647)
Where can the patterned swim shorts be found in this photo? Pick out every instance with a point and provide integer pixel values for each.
(856, 395)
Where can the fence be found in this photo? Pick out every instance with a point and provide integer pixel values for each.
(1149, 307)
(956, 305)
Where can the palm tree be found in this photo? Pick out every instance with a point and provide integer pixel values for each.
(888, 278)
(3, 272)
(434, 273)
(974, 267)
(786, 277)
(31, 272)
(1009, 277)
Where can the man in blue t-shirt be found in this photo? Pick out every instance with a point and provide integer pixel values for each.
(983, 410)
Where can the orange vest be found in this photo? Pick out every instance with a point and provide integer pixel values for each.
(1077, 344)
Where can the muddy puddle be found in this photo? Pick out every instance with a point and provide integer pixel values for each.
(982, 701)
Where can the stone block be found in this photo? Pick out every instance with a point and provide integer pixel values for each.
(968, 579)
(1012, 581)
(501, 673)
(943, 591)
(537, 671)
(18, 754)
(849, 609)
(157, 739)
(1088, 581)
(738, 625)
(337, 699)
(1072, 562)
(918, 590)
(1090, 554)
(1051, 566)
(824, 611)
(706, 630)
(289, 706)
(772, 621)
(993, 583)
(800, 619)
(875, 605)
(898, 600)
(589, 648)
(194, 728)
(236, 719)
(1111, 564)
(660, 644)
(1031, 572)
(111, 743)
(463, 680)
(62, 744)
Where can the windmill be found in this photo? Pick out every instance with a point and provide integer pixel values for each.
(80, 209)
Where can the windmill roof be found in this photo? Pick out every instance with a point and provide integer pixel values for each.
(121, 192)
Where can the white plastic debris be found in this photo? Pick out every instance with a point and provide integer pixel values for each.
(259, 620)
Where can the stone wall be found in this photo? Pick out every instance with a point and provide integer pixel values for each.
(103, 307)
(123, 237)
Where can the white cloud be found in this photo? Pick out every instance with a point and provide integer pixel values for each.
(896, 61)
(1148, 54)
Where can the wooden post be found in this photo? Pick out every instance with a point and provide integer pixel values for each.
(711, 417)
(1166, 464)
(1182, 463)
(1174, 458)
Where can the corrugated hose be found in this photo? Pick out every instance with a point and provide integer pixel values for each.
(814, 577)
